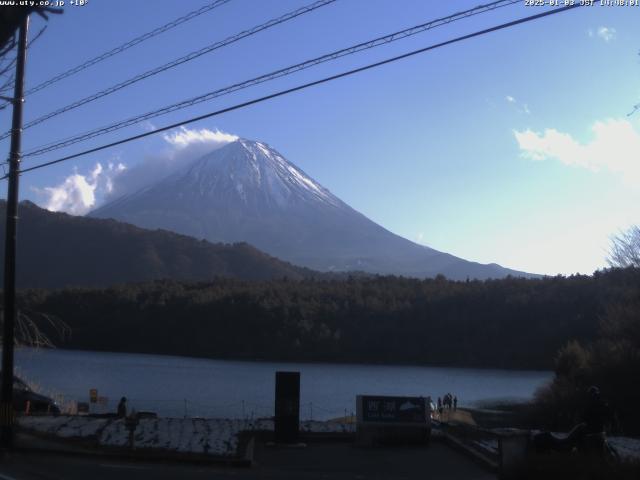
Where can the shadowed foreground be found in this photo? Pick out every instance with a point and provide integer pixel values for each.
(324, 460)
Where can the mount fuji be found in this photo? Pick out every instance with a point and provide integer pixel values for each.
(248, 192)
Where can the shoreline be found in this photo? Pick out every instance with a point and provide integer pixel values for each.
(202, 386)
(284, 361)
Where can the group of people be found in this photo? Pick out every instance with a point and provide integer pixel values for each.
(449, 402)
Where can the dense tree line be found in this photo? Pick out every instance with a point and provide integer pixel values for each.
(508, 323)
(610, 361)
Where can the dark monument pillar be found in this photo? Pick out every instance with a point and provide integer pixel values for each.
(287, 407)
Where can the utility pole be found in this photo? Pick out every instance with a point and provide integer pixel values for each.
(10, 311)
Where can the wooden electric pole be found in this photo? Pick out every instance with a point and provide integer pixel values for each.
(10, 311)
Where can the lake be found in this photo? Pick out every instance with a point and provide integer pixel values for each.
(182, 386)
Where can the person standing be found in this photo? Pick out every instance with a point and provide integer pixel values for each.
(455, 402)
(428, 407)
(122, 407)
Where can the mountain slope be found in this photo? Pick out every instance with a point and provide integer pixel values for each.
(247, 191)
(56, 250)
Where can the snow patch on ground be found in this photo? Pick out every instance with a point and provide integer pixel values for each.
(77, 427)
(488, 445)
(326, 427)
(65, 426)
(210, 436)
(627, 448)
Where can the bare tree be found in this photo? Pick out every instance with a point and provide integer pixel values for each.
(35, 329)
(625, 249)
(11, 17)
(10, 20)
(7, 66)
(7, 63)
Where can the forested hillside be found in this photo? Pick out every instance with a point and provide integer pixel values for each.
(57, 250)
(508, 323)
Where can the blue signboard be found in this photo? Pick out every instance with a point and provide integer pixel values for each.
(393, 409)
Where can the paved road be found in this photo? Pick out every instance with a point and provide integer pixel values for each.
(315, 462)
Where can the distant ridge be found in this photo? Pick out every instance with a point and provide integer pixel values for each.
(57, 250)
(247, 191)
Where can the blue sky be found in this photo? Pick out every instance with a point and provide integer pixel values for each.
(515, 147)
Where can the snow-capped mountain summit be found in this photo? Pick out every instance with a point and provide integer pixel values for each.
(253, 171)
(248, 192)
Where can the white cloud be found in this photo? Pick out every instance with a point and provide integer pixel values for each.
(77, 194)
(522, 108)
(615, 147)
(184, 137)
(117, 170)
(184, 146)
(148, 126)
(606, 34)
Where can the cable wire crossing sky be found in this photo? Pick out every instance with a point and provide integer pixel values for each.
(519, 147)
(262, 78)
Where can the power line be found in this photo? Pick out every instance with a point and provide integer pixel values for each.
(179, 61)
(306, 85)
(125, 46)
(270, 76)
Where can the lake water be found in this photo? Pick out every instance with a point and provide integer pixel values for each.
(179, 386)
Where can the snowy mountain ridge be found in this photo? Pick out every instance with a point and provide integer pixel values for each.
(248, 192)
(255, 165)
